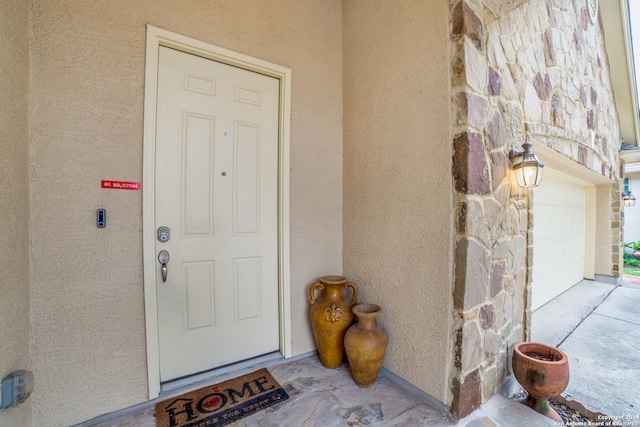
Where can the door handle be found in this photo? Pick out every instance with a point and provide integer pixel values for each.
(163, 257)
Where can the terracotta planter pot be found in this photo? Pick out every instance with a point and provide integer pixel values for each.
(366, 344)
(331, 316)
(543, 371)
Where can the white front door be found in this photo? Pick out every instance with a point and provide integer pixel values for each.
(216, 181)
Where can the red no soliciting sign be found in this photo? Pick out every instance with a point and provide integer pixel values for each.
(121, 185)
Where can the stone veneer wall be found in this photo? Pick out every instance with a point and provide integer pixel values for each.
(539, 68)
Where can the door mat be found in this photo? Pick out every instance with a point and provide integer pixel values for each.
(223, 403)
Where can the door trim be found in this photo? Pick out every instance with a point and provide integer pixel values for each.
(157, 37)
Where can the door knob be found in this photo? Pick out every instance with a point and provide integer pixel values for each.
(163, 257)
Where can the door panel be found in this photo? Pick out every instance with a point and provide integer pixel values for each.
(198, 298)
(246, 179)
(197, 175)
(216, 189)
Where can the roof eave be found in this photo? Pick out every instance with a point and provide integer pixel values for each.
(615, 21)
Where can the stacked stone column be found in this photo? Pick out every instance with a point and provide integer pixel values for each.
(518, 67)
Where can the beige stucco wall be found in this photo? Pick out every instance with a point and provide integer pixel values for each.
(14, 208)
(397, 178)
(88, 340)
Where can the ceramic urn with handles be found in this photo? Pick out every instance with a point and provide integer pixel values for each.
(331, 316)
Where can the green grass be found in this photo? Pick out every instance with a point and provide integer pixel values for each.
(632, 271)
(631, 265)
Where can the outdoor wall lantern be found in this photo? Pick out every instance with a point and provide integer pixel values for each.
(528, 170)
(629, 199)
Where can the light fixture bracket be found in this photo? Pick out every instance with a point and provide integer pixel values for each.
(515, 154)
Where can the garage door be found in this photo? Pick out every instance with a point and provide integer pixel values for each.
(559, 224)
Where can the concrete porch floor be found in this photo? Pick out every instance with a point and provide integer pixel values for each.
(322, 397)
(598, 326)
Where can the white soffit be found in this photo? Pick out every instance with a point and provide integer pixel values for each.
(631, 168)
(615, 20)
(630, 156)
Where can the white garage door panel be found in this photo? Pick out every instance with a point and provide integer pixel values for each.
(560, 209)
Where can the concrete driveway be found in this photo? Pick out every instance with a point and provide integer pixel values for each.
(598, 326)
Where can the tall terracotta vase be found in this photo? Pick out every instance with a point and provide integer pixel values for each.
(331, 316)
(366, 344)
(543, 371)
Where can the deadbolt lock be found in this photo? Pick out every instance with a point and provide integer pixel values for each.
(163, 234)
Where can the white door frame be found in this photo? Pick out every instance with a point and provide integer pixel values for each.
(157, 37)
